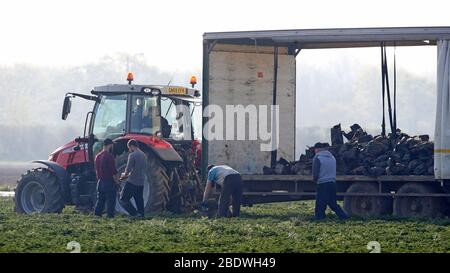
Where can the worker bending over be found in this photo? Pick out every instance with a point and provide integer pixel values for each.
(324, 174)
(230, 182)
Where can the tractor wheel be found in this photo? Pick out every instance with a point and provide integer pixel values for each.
(420, 207)
(156, 184)
(176, 202)
(38, 191)
(366, 206)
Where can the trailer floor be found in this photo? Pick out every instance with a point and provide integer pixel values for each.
(282, 227)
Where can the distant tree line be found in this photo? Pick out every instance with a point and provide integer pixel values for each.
(31, 100)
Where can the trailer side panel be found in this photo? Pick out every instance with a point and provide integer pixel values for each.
(243, 75)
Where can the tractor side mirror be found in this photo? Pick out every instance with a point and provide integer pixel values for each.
(66, 107)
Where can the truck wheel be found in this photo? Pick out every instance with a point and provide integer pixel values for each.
(156, 184)
(38, 191)
(366, 206)
(420, 207)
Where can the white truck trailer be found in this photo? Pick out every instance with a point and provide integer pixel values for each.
(258, 68)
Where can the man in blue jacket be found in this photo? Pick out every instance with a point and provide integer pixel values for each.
(231, 183)
(324, 174)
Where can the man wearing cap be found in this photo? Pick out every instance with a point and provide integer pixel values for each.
(105, 168)
(135, 176)
(324, 174)
(230, 182)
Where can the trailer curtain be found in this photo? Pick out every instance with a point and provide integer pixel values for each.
(442, 130)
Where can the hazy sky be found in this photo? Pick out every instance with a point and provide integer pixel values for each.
(56, 35)
(169, 33)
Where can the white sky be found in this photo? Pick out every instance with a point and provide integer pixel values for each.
(169, 33)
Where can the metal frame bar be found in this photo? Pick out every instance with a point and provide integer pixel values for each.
(347, 194)
(205, 102)
(273, 156)
(307, 180)
(211, 46)
(340, 178)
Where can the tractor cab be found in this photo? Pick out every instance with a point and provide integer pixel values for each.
(164, 112)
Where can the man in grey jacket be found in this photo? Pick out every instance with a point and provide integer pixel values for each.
(135, 177)
(324, 174)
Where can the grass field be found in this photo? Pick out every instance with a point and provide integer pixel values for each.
(287, 227)
(7, 187)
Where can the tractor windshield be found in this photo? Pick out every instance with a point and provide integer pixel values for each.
(116, 115)
(110, 117)
(144, 115)
(169, 117)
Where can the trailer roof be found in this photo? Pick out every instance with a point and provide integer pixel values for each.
(335, 37)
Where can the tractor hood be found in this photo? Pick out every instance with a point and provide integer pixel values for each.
(67, 148)
(67, 154)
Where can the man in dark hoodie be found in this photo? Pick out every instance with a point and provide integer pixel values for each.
(105, 168)
(324, 174)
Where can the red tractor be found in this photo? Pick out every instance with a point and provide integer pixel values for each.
(158, 117)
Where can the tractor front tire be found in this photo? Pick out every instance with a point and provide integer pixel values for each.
(38, 191)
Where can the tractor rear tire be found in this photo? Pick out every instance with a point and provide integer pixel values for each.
(418, 207)
(366, 206)
(157, 179)
(38, 191)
